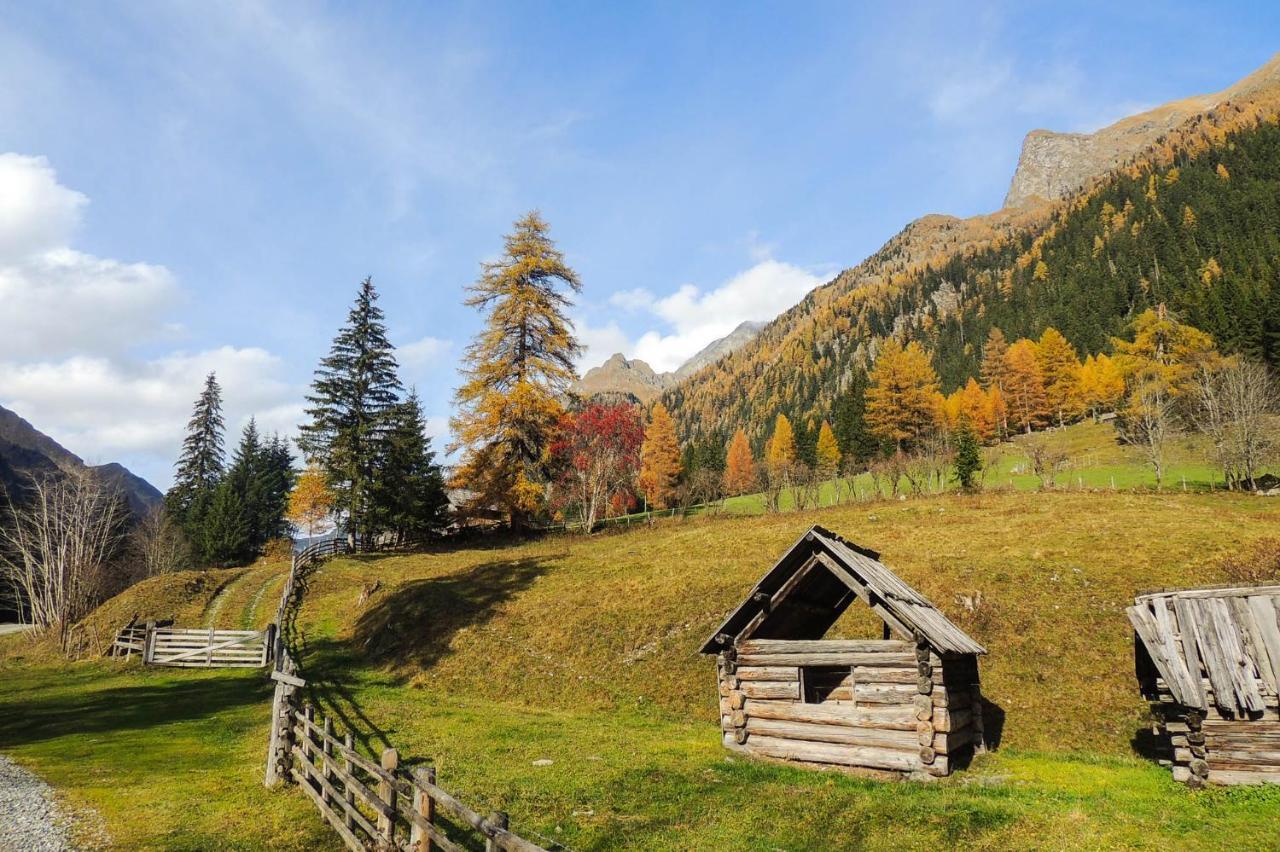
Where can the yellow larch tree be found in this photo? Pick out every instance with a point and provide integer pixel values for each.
(974, 409)
(310, 501)
(517, 371)
(1024, 386)
(827, 451)
(901, 392)
(740, 475)
(659, 459)
(780, 455)
(1101, 384)
(1060, 372)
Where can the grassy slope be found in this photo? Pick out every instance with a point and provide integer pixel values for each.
(583, 651)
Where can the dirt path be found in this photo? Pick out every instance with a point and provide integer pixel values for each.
(6, 629)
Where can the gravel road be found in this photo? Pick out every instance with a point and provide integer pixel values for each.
(13, 628)
(30, 819)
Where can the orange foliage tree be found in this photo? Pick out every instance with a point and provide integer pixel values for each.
(1060, 372)
(659, 459)
(740, 475)
(1024, 386)
(901, 394)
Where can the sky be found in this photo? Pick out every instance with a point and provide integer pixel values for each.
(189, 187)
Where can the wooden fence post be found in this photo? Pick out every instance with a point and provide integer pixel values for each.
(148, 643)
(350, 742)
(208, 663)
(500, 820)
(387, 793)
(327, 770)
(425, 807)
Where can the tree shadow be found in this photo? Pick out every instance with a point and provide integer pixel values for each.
(34, 717)
(411, 625)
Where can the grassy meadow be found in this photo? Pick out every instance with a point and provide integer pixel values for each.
(583, 652)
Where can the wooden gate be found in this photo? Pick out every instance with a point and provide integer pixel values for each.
(196, 647)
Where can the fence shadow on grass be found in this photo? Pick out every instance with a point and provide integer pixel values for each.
(35, 716)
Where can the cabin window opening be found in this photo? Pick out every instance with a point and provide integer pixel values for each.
(818, 683)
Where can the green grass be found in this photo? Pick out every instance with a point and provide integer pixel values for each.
(583, 651)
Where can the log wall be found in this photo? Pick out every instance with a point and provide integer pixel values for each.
(899, 709)
(1209, 746)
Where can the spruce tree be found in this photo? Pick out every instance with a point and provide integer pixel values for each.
(409, 496)
(517, 372)
(200, 467)
(352, 397)
(968, 458)
(224, 536)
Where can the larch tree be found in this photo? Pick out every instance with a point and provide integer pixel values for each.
(200, 466)
(311, 501)
(901, 407)
(1024, 386)
(781, 455)
(1159, 366)
(993, 369)
(976, 411)
(827, 451)
(352, 397)
(1101, 384)
(1060, 371)
(659, 459)
(740, 474)
(516, 372)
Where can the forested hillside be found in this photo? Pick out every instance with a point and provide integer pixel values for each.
(1193, 222)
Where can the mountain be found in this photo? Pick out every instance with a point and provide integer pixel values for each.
(25, 451)
(1055, 165)
(636, 378)
(1187, 215)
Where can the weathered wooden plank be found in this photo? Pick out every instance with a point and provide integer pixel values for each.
(884, 693)
(1264, 619)
(841, 755)
(835, 658)
(819, 646)
(951, 720)
(889, 717)
(771, 689)
(768, 673)
(849, 735)
(1190, 633)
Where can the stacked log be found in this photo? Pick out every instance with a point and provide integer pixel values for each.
(899, 710)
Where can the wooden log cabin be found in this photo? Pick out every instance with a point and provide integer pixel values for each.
(906, 703)
(1208, 660)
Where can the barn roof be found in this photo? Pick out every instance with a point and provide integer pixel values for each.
(1230, 633)
(816, 580)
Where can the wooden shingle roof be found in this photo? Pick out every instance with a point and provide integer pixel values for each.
(816, 580)
(1229, 635)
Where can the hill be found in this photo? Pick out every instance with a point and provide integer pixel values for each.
(559, 680)
(1085, 263)
(26, 451)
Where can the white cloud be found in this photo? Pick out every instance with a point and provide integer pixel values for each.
(599, 342)
(69, 323)
(697, 317)
(424, 353)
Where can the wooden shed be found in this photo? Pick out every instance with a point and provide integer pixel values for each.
(906, 703)
(1208, 660)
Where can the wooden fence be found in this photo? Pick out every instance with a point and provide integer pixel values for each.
(371, 804)
(197, 647)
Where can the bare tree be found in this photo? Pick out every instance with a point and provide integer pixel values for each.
(1047, 461)
(1150, 422)
(58, 543)
(1232, 404)
(157, 544)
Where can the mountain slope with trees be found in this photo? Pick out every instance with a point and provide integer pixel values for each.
(1193, 222)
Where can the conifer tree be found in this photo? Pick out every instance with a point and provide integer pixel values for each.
(976, 411)
(968, 459)
(1024, 386)
(224, 537)
(659, 459)
(517, 371)
(740, 475)
(1060, 371)
(352, 396)
(856, 441)
(200, 467)
(900, 398)
(827, 451)
(1101, 384)
(993, 360)
(780, 454)
(409, 494)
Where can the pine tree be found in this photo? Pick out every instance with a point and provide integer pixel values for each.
(780, 453)
(827, 452)
(1024, 386)
(200, 467)
(409, 497)
(968, 458)
(517, 371)
(352, 397)
(243, 483)
(659, 459)
(856, 441)
(900, 399)
(993, 363)
(224, 537)
(740, 475)
(1060, 371)
(1271, 326)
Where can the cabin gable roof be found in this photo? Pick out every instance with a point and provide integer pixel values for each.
(816, 580)
(1229, 633)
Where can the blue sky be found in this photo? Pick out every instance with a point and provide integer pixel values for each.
(196, 186)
